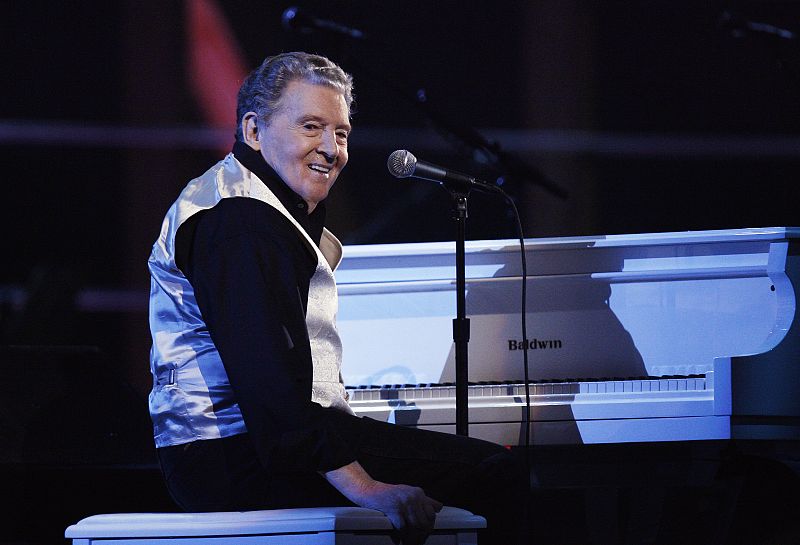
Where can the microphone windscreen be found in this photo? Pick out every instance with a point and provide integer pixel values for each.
(401, 163)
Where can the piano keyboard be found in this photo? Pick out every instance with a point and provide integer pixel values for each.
(496, 410)
(537, 389)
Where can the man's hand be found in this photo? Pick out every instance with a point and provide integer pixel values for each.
(407, 507)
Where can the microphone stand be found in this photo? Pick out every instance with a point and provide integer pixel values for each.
(461, 322)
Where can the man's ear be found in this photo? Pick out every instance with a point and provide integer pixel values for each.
(250, 130)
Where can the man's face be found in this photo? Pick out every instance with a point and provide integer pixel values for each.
(306, 139)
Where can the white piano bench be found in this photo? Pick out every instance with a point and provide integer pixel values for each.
(312, 526)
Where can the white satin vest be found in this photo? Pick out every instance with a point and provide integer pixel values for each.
(191, 397)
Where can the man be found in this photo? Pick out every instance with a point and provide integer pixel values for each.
(248, 404)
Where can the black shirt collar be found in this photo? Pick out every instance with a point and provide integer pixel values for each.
(294, 203)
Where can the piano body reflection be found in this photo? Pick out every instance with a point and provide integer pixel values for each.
(631, 338)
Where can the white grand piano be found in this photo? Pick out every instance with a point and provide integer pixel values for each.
(633, 338)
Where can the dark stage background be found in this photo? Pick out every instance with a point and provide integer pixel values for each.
(651, 115)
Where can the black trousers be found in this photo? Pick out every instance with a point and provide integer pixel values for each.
(485, 478)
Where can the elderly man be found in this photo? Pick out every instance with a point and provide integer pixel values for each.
(248, 405)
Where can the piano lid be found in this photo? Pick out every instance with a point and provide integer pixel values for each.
(601, 306)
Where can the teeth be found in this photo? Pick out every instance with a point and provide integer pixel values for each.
(319, 168)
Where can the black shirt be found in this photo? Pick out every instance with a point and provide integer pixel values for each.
(251, 271)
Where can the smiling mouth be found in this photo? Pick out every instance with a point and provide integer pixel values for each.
(321, 169)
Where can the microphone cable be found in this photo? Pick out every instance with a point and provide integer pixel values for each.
(523, 322)
(524, 313)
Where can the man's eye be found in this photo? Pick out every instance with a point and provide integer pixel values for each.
(342, 135)
(311, 127)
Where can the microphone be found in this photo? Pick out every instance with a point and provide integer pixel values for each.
(296, 19)
(403, 164)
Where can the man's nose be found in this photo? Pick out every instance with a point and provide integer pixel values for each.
(327, 146)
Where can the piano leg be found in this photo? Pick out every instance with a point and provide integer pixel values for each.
(602, 515)
(629, 515)
(646, 508)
